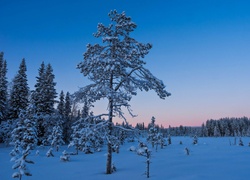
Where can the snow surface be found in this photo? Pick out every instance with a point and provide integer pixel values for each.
(211, 158)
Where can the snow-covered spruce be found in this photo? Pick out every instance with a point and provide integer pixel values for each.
(6, 128)
(68, 118)
(161, 140)
(24, 134)
(43, 99)
(63, 111)
(19, 92)
(155, 137)
(24, 139)
(152, 131)
(56, 138)
(3, 89)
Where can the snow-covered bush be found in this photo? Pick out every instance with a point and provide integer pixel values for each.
(65, 157)
(160, 140)
(241, 142)
(169, 139)
(50, 152)
(195, 140)
(187, 151)
(132, 148)
(20, 164)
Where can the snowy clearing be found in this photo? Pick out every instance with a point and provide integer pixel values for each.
(211, 158)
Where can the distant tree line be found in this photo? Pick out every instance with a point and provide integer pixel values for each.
(226, 127)
(212, 128)
(173, 131)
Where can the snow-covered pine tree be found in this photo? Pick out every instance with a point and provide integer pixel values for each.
(56, 138)
(43, 98)
(50, 91)
(17, 136)
(68, 118)
(204, 130)
(19, 92)
(122, 136)
(152, 133)
(216, 131)
(3, 89)
(38, 93)
(6, 128)
(67, 107)
(169, 139)
(161, 140)
(76, 135)
(38, 99)
(24, 139)
(61, 104)
(48, 116)
(30, 134)
(117, 70)
(48, 124)
(24, 134)
(61, 113)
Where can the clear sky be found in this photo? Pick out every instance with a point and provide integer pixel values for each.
(201, 50)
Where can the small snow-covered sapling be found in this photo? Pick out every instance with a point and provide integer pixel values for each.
(144, 151)
(187, 151)
(169, 140)
(20, 164)
(113, 167)
(50, 153)
(241, 142)
(195, 140)
(132, 148)
(65, 157)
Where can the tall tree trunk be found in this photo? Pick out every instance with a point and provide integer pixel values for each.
(109, 156)
(110, 124)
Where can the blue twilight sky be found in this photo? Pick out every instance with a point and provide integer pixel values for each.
(201, 50)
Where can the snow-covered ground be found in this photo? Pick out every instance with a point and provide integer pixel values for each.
(211, 158)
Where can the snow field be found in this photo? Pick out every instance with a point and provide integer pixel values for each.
(212, 158)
